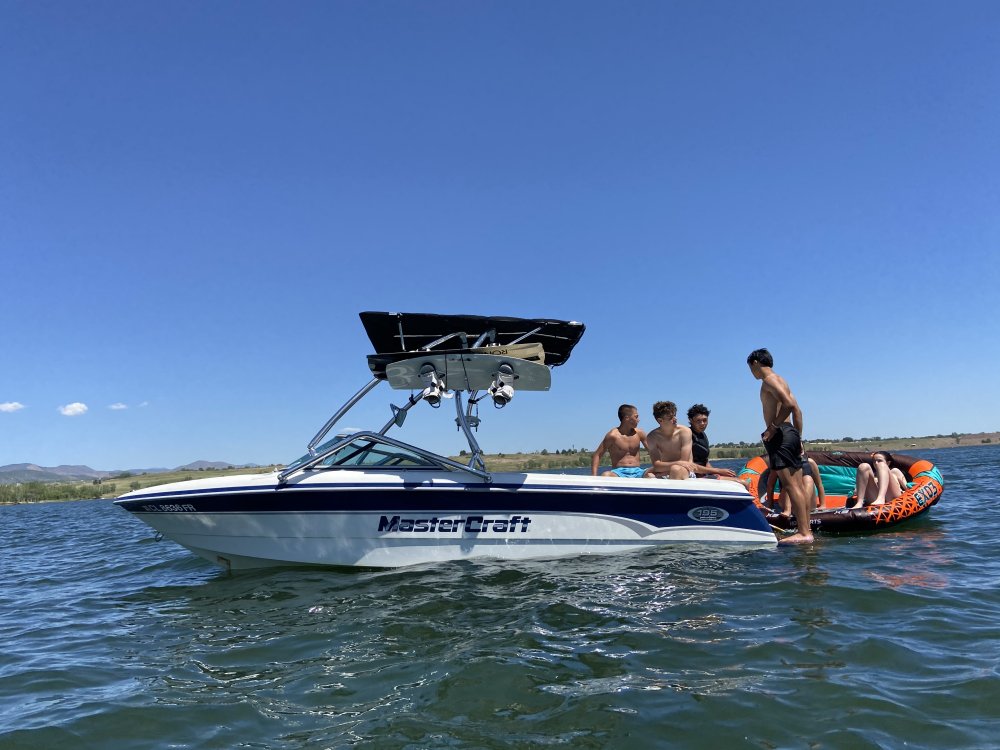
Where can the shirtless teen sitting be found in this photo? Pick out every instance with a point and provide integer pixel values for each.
(622, 442)
(670, 445)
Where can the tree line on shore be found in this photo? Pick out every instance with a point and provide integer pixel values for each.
(563, 458)
(581, 457)
(42, 492)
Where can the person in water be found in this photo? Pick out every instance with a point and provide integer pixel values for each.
(622, 443)
(700, 449)
(877, 482)
(670, 445)
(782, 438)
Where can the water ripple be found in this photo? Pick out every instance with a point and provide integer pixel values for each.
(114, 641)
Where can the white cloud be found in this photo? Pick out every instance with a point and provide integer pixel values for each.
(73, 410)
(144, 403)
(10, 406)
(118, 406)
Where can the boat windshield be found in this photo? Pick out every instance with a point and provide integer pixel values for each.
(368, 453)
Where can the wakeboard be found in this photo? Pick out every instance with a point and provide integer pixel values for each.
(466, 371)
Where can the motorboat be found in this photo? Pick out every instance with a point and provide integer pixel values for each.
(364, 498)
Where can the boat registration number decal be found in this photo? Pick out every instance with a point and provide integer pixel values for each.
(470, 525)
(707, 514)
(169, 508)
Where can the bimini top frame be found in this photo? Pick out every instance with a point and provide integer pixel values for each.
(398, 336)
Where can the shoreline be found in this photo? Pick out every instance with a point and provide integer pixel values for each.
(41, 492)
(540, 461)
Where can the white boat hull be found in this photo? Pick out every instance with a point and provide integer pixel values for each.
(399, 518)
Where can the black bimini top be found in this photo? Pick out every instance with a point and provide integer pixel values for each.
(392, 332)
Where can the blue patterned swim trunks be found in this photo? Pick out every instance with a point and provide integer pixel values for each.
(629, 472)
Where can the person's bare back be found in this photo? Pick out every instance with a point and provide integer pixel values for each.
(774, 394)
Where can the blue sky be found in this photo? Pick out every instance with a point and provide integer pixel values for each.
(196, 200)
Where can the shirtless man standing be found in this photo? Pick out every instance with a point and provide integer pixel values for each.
(783, 439)
(622, 442)
(670, 445)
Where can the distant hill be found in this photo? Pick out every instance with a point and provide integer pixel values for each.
(14, 473)
(196, 465)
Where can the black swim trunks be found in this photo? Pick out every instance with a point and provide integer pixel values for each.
(784, 449)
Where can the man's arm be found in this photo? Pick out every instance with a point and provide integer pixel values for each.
(653, 446)
(595, 458)
(818, 481)
(662, 467)
(797, 418)
(709, 469)
(687, 452)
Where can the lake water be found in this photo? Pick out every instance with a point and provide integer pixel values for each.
(112, 640)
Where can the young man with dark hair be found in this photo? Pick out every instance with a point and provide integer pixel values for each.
(698, 419)
(622, 443)
(670, 445)
(783, 438)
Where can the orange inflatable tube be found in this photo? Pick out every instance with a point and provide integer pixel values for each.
(924, 489)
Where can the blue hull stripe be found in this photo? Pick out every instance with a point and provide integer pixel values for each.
(464, 489)
(661, 511)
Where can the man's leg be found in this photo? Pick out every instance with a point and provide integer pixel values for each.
(678, 472)
(791, 482)
(809, 487)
